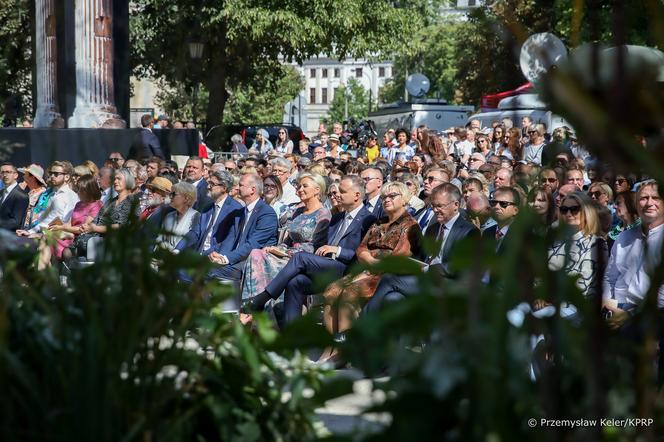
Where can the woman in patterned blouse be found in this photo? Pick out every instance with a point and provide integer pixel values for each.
(581, 254)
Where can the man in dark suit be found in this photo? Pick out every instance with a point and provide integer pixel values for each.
(193, 173)
(146, 144)
(253, 227)
(13, 201)
(344, 235)
(450, 228)
(434, 178)
(373, 182)
(505, 204)
(217, 221)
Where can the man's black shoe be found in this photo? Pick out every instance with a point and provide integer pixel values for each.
(255, 303)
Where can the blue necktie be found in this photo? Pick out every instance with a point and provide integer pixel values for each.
(425, 218)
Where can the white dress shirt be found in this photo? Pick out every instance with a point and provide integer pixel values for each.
(626, 278)
(348, 220)
(371, 204)
(6, 191)
(289, 194)
(250, 209)
(60, 205)
(217, 210)
(446, 229)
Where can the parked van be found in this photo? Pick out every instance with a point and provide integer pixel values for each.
(435, 114)
(519, 106)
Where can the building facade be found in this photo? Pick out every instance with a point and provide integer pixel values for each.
(322, 77)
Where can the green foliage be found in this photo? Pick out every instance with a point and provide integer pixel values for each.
(489, 42)
(123, 353)
(263, 100)
(245, 37)
(15, 52)
(433, 53)
(350, 101)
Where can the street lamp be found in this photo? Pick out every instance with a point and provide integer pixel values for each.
(195, 53)
(370, 84)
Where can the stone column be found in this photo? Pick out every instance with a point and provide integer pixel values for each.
(47, 113)
(95, 103)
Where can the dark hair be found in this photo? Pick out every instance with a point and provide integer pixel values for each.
(516, 196)
(160, 163)
(170, 176)
(630, 202)
(146, 120)
(551, 210)
(88, 188)
(401, 130)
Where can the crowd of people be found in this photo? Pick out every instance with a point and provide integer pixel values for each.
(273, 217)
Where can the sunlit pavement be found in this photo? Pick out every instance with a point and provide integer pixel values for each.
(343, 415)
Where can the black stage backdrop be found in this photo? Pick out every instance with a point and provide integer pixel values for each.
(43, 146)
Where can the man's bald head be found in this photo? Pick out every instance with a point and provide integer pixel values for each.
(478, 204)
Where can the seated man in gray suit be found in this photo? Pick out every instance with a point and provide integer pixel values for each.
(449, 229)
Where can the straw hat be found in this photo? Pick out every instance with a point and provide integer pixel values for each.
(34, 170)
(160, 183)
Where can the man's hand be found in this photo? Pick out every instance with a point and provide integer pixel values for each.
(218, 258)
(618, 319)
(327, 250)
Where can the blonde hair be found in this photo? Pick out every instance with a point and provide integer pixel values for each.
(396, 186)
(317, 169)
(590, 222)
(318, 181)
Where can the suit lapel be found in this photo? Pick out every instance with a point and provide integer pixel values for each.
(451, 237)
(338, 222)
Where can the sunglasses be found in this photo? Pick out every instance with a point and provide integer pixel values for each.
(549, 180)
(57, 173)
(431, 179)
(503, 204)
(390, 196)
(173, 195)
(620, 180)
(595, 194)
(574, 210)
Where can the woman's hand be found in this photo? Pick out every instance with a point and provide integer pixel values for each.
(539, 304)
(87, 228)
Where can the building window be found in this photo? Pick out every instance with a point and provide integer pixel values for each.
(381, 72)
(324, 73)
(337, 72)
(312, 73)
(323, 98)
(312, 95)
(358, 72)
(335, 92)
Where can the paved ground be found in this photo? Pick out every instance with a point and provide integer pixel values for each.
(343, 415)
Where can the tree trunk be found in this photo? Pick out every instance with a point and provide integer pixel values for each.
(216, 86)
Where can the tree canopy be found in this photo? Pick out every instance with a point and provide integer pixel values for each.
(351, 101)
(15, 57)
(244, 38)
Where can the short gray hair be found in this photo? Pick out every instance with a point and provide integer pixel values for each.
(283, 162)
(237, 138)
(130, 182)
(257, 182)
(357, 183)
(225, 178)
(188, 190)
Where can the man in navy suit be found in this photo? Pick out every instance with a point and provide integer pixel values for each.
(193, 173)
(217, 221)
(146, 144)
(253, 227)
(449, 229)
(434, 178)
(13, 201)
(373, 182)
(345, 233)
